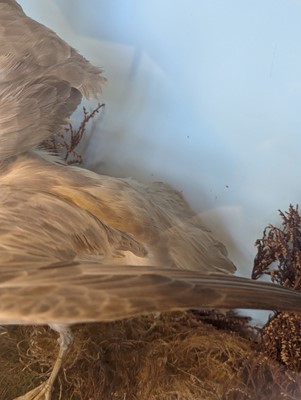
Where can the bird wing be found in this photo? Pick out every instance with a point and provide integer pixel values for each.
(85, 292)
(60, 213)
(42, 81)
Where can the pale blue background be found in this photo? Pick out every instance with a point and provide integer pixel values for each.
(203, 94)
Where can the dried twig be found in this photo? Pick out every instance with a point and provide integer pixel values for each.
(65, 143)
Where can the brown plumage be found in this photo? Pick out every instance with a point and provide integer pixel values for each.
(79, 235)
(42, 81)
(79, 247)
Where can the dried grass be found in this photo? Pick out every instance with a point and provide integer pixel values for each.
(172, 356)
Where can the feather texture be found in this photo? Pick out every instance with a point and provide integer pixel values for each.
(42, 81)
(76, 246)
(85, 292)
(86, 247)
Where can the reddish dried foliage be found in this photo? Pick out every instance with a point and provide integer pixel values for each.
(279, 256)
(66, 142)
(282, 247)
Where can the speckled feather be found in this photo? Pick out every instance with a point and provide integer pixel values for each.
(76, 246)
(80, 247)
(64, 213)
(42, 81)
(86, 292)
(76, 234)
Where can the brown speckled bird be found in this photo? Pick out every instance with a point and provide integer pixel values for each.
(76, 246)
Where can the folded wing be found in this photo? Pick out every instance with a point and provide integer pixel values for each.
(86, 292)
(42, 81)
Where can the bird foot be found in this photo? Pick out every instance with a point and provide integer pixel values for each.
(41, 392)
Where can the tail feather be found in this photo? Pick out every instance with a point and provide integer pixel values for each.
(86, 292)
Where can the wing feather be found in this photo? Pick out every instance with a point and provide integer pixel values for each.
(85, 292)
(42, 81)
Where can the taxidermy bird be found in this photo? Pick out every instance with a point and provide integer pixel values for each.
(76, 246)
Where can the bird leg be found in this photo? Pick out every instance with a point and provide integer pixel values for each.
(43, 391)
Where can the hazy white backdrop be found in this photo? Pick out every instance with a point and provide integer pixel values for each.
(204, 94)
